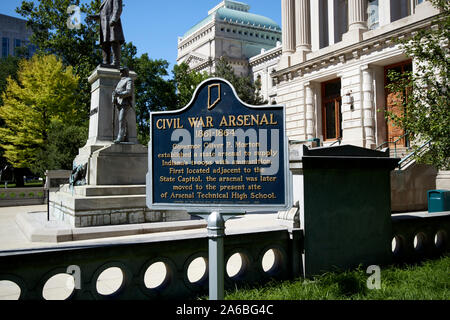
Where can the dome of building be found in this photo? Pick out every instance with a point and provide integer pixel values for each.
(246, 18)
(236, 13)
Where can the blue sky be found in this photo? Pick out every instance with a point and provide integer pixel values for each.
(154, 26)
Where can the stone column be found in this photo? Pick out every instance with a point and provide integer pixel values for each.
(309, 110)
(288, 31)
(357, 14)
(331, 22)
(384, 12)
(357, 20)
(368, 111)
(302, 30)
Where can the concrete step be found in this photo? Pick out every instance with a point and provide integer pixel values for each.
(400, 152)
(100, 191)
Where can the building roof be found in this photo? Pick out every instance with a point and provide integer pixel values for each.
(238, 17)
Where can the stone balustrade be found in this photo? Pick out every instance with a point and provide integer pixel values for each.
(32, 270)
(259, 257)
(418, 236)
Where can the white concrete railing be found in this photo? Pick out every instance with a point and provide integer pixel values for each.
(31, 272)
(416, 237)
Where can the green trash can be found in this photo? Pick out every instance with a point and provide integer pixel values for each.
(438, 200)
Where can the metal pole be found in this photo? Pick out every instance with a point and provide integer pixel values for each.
(216, 234)
(48, 204)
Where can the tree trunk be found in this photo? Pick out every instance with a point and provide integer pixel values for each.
(18, 177)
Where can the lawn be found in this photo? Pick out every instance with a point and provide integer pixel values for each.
(429, 280)
(30, 184)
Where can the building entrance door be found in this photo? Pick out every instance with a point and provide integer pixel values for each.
(331, 110)
(394, 104)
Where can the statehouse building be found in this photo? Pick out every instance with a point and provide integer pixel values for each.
(14, 34)
(229, 31)
(330, 68)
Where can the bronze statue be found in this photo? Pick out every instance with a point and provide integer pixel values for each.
(111, 33)
(122, 98)
(78, 176)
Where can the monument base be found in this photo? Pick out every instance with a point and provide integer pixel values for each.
(90, 206)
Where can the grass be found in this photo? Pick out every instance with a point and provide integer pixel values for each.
(429, 280)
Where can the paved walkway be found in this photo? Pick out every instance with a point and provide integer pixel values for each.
(12, 237)
(60, 286)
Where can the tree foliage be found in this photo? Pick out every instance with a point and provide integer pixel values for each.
(247, 90)
(45, 92)
(79, 48)
(8, 69)
(63, 143)
(427, 94)
(74, 46)
(186, 81)
(154, 92)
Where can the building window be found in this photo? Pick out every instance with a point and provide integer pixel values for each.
(400, 9)
(5, 47)
(373, 15)
(331, 110)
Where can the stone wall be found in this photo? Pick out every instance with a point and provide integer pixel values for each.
(409, 187)
(13, 197)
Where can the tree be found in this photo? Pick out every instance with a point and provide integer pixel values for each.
(186, 81)
(8, 69)
(63, 143)
(153, 91)
(247, 90)
(45, 92)
(426, 90)
(74, 46)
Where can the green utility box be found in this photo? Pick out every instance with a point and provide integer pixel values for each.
(438, 200)
(347, 208)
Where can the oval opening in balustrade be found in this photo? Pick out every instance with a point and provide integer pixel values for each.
(156, 275)
(59, 287)
(110, 281)
(440, 239)
(397, 245)
(419, 242)
(272, 261)
(9, 290)
(237, 265)
(197, 270)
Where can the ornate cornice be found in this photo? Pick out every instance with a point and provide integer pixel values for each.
(352, 52)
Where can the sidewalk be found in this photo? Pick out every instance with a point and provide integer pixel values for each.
(12, 237)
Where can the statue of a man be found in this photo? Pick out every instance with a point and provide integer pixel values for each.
(111, 33)
(122, 98)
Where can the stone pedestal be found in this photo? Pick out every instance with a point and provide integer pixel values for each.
(115, 192)
(118, 164)
(101, 130)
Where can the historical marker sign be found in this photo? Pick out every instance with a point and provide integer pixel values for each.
(219, 154)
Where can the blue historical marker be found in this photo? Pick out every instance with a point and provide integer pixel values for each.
(218, 157)
(218, 153)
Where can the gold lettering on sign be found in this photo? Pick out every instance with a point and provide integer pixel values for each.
(212, 105)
